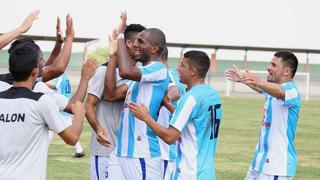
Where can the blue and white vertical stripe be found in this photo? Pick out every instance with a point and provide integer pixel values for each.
(275, 152)
(135, 139)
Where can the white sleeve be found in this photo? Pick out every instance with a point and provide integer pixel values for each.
(49, 112)
(60, 100)
(96, 83)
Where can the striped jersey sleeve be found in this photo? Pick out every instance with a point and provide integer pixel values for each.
(183, 113)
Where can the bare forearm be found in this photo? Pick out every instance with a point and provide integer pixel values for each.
(54, 54)
(59, 64)
(77, 125)
(110, 80)
(80, 94)
(161, 131)
(272, 89)
(91, 117)
(6, 38)
(255, 88)
(127, 66)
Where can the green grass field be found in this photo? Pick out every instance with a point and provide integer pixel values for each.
(237, 139)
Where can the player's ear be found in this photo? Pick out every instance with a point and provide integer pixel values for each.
(287, 71)
(35, 72)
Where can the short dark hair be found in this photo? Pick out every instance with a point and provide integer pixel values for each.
(132, 29)
(289, 60)
(164, 53)
(22, 60)
(158, 38)
(21, 41)
(199, 60)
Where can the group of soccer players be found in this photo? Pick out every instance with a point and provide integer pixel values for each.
(148, 122)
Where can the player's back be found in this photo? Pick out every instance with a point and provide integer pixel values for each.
(198, 139)
(24, 120)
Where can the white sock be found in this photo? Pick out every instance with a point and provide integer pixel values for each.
(78, 147)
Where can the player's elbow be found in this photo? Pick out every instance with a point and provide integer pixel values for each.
(72, 141)
(124, 74)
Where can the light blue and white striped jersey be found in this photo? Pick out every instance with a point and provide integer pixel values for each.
(168, 152)
(135, 138)
(197, 117)
(62, 84)
(275, 152)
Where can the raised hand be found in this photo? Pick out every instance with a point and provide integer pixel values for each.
(140, 111)
(89, 67)
(123, 24)
(249, 78)
(102, 137)
(27, 23)
(113, 43)
(70, 28)
(234, 74)
(59, 34)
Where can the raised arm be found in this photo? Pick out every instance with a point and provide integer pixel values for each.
(58, 44)
(111, 92)
(101, 132)
(127, 67)
(6, 38)
(72, 134)
(271, 88)
(60, 63)
(88, 69)
(168, 135)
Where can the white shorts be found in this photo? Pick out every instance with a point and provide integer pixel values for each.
(141, 168)
(167, 169)
(115, 171)
(255, 175)
(99, 167)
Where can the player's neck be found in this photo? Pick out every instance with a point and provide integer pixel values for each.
(27, 83)
(194, 82)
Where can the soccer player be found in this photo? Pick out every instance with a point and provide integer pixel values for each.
(104, 116)
(275, 156)
(62, 86)
(174, 92)
(138, 148)
(26, 117)
(195, 121)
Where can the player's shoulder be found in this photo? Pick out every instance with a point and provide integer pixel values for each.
(21, 93)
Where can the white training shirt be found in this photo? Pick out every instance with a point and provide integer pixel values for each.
(107, 113)
(25, 118)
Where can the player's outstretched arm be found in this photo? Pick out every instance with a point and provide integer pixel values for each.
(271, 88)
(60, 63)
(58, 44)
(127, 67)
(72, 134)
(6, 38)
(88, 70)
(234, 74)
(101, 132)
(168, 135)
